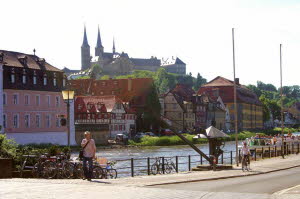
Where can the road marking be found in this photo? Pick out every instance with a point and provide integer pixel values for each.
(285, 190)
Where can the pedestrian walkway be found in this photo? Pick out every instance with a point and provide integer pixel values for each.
(139, 187)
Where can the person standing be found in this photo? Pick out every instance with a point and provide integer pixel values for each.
(89, 153)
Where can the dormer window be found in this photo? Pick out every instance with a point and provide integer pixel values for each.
(54, 79)
(24, 77)
(34, 77)
(41, 61)
(45, 79)
(79, 106)
(13, 76)
(23, 60)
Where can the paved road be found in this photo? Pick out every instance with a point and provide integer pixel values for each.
(259, 184)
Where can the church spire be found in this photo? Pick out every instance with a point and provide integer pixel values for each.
(85, 41)
(114, 48)
(99, 43)
(99, 50)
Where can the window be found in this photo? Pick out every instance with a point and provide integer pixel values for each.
(48, 121)
(79, 106)
(26, 100)
(115, 82)
(45, 80)
(118, 106)
(49, 100)
(4, 121)
(54, 82)
(57, 101)
(174, 106)
(38, 121)
(24, 79)
(34, 79)
(16, 121)
(101, 93)
(64, 82)
(103, 83)
(15, 99)
(57, 122)
(37, 100)
(4, 98)
(12, 76)
(27, 121)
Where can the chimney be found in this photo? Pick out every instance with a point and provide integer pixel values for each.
(237, 81)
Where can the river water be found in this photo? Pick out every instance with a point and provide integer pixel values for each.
(123, 156)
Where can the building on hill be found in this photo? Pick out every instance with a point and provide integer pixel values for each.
(32, 102)
(250, 113)
(105, 116)
(115, 63)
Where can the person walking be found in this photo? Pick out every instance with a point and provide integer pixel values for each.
(89, 153)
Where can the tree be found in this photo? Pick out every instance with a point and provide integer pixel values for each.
(266, 111)
(199, 82)
(95, 71)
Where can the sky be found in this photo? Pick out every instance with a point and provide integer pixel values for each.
(199, 32)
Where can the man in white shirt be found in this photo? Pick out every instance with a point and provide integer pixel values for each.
(89, 152)
(245, 152)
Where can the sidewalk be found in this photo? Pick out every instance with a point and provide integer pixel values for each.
(257, 167)
(138, 187)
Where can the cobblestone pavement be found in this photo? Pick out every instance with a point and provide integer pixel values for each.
(137, 187)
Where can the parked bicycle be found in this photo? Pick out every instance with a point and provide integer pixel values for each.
(109, 172)
(158, 167)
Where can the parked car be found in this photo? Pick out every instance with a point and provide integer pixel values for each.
(167, 132)
(139, 135)
(150, 134)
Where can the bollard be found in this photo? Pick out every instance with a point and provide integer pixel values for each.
(262, 152)
(275, 151)
(201, 160)
(269, 152)
(222, 158)
(255, 154)
(148, 165)
(239, 155)
(189, 163)
(132, 168)
(292, 148)
(176, 162)
(298, 148)
(231, 157)
(163, 165)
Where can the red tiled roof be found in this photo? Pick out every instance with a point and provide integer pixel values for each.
(224, 88)
(13, 59)
(125, 89)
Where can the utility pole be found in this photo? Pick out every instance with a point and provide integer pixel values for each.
(281, 91)
(235, 105)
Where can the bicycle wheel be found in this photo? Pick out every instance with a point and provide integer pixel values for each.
(154, 169)
(112, 174)
(79, 171)
(97, 172)
(50, 169)
(169, 168)
(37, 170)
(68, 170)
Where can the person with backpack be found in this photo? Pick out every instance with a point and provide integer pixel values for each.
(89, 153)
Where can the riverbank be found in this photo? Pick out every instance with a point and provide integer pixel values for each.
(175, 140)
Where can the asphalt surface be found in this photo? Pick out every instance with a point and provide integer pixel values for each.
(258, 184)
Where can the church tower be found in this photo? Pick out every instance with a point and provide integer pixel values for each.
(99, 48)
(114, 48)
(85, 53)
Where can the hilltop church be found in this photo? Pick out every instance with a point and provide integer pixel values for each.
(114, 63)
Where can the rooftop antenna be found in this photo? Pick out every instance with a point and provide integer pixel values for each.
(34, 51)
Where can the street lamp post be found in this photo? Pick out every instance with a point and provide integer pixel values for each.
(235, 105)
(68, 97)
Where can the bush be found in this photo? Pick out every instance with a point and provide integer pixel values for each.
(8, 147)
